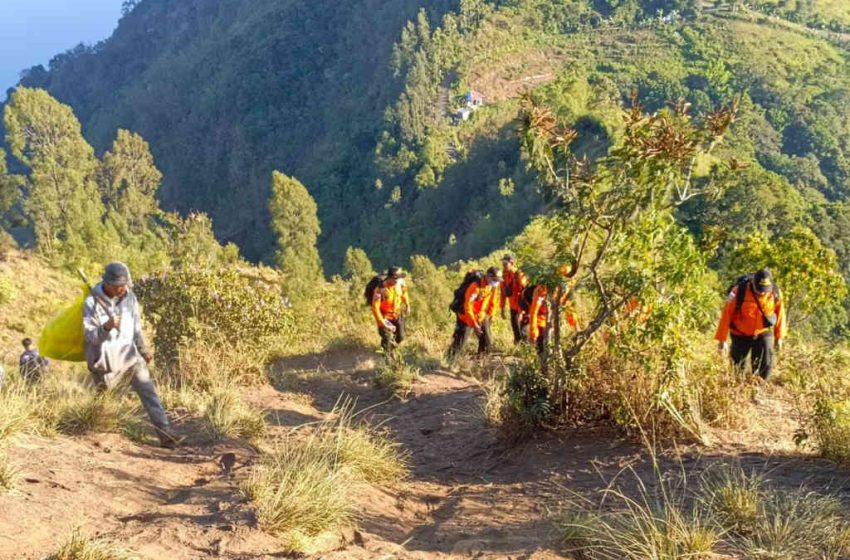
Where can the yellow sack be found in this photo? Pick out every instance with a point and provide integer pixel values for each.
(63, 338)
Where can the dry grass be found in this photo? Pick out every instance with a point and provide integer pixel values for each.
(9, 474)
(227, 416)
(307, 487)
(80, 547)
(96, 412)
(727, 513)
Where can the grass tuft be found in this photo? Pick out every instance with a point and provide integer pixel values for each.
(80, 547)
(227, 416)
(307, 487)
(100, 412)
(9, 475)
(396, 376)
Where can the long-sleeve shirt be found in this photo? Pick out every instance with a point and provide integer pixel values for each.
(748, 321)
(479, 302)
(512, 286)
(117, 350)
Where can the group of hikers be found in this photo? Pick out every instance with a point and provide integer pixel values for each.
(753, 315)
(474, 305)
(117, 354)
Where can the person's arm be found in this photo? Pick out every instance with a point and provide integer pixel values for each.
(468, 303)
(405, 300)
(93, 330)
(723, 326)
(780, 329)
(376, 307)
(533, 312)
(489, 307)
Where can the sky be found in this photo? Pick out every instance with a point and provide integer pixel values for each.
(34, 31)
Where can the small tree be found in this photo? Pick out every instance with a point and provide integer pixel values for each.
(63, 201)
(128, 180)
(612, 221)
(295, 221)
(356, 267)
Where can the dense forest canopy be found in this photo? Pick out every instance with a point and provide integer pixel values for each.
(360, 101)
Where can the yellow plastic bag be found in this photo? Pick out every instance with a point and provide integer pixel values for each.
(63, 338)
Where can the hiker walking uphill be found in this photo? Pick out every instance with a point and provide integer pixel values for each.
(474, 303)
(390, 304)
(31, 364)
(116, 350)
(754, 315)
(514, 282)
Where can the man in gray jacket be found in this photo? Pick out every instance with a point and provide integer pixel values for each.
(115, 346)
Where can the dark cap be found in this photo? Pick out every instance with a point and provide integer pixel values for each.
(494, 272)
(508, 258)
(763, 281)
(395, 273)
(117, 274)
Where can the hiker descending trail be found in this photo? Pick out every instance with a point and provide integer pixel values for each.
(116, 350)
(514, 282)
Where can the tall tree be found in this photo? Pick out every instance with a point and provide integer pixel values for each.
(10, 187)
(295, 221)
(128, 179)
(63, 201)
(356, 265)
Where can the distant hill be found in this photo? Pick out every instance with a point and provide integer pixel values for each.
(366, 109)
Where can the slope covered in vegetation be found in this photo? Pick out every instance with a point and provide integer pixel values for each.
(356, 100)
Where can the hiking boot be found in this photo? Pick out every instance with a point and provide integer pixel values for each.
(167, 439)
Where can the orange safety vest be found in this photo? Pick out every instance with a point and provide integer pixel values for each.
(538, 312)
(514, 282)
(386, 303)
(478, 303)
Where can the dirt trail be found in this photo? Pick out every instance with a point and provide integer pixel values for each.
(468, 496)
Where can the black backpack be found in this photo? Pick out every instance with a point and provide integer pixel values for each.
(743, 283)
(526, 298)
(374, 284)
(456, 306)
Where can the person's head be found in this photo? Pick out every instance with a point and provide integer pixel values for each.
(509, 263)
(27, 342)
(393, 275)
(762, 281)
(493, 276)
(116, 280)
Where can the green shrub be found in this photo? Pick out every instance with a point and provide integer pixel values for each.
(829, 424)
(396, 376)
(8, 292)
(231, 304)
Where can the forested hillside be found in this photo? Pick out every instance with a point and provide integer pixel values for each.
(360, 102)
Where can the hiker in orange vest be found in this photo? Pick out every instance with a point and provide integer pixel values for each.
(537, 303)
(389, 301)
(514, 282)
(475, 308)
(755, 318)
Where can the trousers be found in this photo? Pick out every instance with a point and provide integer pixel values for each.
(461, 335)
(140, 380)
(760, 351)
